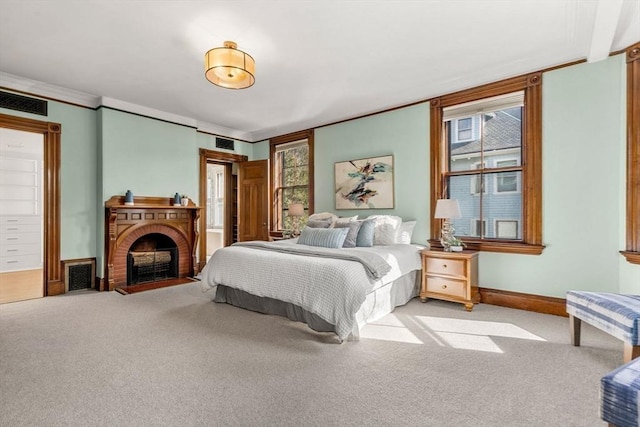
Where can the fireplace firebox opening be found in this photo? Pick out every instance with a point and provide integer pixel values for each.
(152, 258)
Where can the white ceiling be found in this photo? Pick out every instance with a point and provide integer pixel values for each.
(317, 61)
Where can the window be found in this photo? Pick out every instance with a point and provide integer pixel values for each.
(464, 129)
(478, 228)
(507, 182)
(478, 182)
(506, 229)
(506, 190)
(291, 177)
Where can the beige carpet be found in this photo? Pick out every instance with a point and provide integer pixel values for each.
(172, 357)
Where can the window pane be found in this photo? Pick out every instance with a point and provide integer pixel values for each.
(469, 204)
(501, 131)
(499, 208)
(490, 215)
(292, 175)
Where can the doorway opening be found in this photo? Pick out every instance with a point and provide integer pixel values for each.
(219, 200)
(215, 208)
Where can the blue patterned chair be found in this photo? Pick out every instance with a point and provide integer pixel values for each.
(620, 395)
(616, 314)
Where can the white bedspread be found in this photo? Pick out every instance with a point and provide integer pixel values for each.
(333, 289)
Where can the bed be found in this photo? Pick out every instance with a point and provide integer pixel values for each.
(330, 289)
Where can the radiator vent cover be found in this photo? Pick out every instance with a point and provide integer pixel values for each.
(79, 274)
(25, 104)
(224, 143)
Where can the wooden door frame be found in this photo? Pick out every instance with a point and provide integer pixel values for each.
(52, 132)
(227, 159)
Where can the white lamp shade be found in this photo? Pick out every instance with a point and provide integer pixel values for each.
(296, 209)
(447, 208)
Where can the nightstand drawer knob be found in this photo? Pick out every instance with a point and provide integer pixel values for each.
(444, 286)
(444, 265)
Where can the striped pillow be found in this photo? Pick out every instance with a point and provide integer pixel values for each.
(323, 237)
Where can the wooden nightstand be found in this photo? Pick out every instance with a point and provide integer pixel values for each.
(450, 276)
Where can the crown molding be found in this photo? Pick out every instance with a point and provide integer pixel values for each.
(224, 131)
(141, 110)
(46, 90)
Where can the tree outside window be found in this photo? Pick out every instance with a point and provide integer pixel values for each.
(291, 178)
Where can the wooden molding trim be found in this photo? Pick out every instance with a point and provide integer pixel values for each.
(531, 84)
(52, 132)
(528, 302)
(632, 252)
(126, 224)
(307, 134)
(227, 159)
(222, 156)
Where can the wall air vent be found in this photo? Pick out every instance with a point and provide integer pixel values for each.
(224, 143)
(25, 104)
(79, 274)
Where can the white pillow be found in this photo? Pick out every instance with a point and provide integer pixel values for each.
(405, 232)
(385, 229)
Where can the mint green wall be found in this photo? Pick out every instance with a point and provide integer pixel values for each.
(583, 192)
(107, 152)
(209, 142)
(403, 133)
(147, 156)
(583, 141)
(261, 150)
(78, 210)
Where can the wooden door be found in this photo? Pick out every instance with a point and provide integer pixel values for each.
(253, 200)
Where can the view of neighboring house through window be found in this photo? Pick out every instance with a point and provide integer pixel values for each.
(291, 181)
(484, 148)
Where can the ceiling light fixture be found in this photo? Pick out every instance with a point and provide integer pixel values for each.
(229, 67)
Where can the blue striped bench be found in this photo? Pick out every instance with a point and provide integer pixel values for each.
(616, 314)
(620, 395)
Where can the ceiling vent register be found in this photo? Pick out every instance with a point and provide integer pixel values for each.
(25, 104)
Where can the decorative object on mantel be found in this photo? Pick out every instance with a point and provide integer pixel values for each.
(229, 67)
(184, 200)
(176, 200)
(128, 198)
(447, 209)
(296, 210)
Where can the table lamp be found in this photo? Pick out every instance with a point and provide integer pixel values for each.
(447, 209)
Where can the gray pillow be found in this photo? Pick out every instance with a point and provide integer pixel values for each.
(319, 223)
(365, 234)
(352, 235)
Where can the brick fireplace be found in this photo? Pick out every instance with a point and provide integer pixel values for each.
(138, 229)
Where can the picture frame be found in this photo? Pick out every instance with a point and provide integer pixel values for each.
(364, 183)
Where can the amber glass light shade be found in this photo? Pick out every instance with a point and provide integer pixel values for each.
(229, 67)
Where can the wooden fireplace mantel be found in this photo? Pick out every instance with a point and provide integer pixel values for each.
(124, 224)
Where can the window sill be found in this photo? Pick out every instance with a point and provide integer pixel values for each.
(632, 257)
(502, 247)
